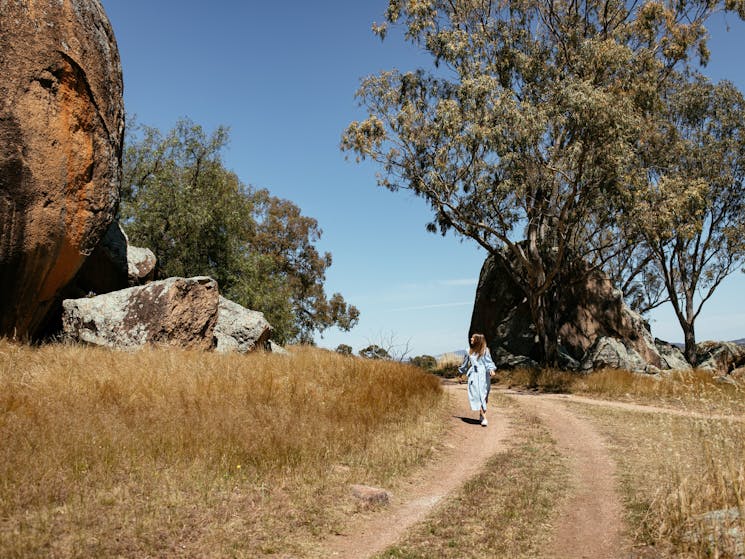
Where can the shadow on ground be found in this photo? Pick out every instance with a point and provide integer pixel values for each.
(469, 420)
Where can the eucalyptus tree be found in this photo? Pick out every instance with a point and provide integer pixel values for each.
(527, 127)
(179, 200)
(692, 215)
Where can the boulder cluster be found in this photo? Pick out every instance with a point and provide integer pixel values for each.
(596, 328)
(65, 263)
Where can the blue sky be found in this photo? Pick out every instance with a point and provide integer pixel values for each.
(282, 76)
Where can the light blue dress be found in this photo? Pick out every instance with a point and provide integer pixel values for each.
(477, 369)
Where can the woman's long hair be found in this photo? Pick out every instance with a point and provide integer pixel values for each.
(478, 347)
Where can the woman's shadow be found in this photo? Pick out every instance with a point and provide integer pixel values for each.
(469, 420)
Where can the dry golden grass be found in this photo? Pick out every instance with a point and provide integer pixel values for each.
(506, 510)
(179, 454)
(447, 365)
(692, 390)
(674, 470)
(449, 360)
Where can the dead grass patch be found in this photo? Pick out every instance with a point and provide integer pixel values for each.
(674, 471)
(181, 454)
(505, 511)
(691, 390)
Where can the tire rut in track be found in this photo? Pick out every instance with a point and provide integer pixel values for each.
(589, 523)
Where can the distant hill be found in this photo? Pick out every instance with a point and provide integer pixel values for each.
(741, 341)
(458, 352)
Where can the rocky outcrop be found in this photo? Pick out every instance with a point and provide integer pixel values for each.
(613, 353)
(591, 315)
(239, 329)
(179, 312)
(61, 128)
(672, 356)
(720, 357)
(115, 265)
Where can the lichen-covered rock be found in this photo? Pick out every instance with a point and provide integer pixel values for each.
(719, 531)
(672, 356)
(613, 353)
(503, 359)
(239, 329)
(720, 357)
(141, 264)
(180, 312)
(61, 131)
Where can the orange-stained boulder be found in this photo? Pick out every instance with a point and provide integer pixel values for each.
(61, 128)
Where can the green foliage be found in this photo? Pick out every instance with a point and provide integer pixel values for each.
(527, 135)
(426, 362)
(344, 349)
(692, 214)
(375, 352)
(179, 200)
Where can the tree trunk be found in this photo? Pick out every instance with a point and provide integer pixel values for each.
(690, 342)
(545, 329)
(689, 332)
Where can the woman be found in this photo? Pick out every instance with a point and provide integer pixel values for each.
(479, 368)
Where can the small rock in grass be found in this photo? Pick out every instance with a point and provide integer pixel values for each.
(371, 495)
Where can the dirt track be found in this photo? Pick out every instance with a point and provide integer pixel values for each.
(589, 522)
(468, 447)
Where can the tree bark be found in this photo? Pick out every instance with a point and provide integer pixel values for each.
(690, 344)
(545, 329)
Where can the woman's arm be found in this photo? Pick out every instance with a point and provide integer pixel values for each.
(488, 362)
(463, 368)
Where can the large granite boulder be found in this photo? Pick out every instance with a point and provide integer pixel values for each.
(587, 311)
(613, 353)
(239, 329)
(720, 357)
(115, 264)
(61, 131)
(180, 312)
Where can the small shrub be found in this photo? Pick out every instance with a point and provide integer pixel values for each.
(375, 352)
(344, 349)
(426, 362)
